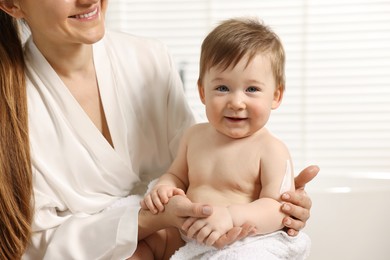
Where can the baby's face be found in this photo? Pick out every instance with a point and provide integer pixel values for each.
(239, 99)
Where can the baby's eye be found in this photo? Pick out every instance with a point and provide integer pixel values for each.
(222, 88)
(252, 89)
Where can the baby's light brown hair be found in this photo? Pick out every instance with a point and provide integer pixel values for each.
(235, 38)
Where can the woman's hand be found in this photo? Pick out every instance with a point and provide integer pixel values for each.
(235, 234)
(179, 208)
(297, 204)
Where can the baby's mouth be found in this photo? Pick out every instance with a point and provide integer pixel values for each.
(235, 118)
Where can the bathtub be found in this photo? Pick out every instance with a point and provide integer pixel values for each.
(350, 217)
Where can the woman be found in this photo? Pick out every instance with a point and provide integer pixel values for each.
(87, 119)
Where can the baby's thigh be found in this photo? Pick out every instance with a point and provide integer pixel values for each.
(164, 243)
(143, 252)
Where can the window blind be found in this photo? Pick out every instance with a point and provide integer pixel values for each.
(336, 109)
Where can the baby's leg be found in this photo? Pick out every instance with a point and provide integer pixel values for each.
(143, 252)
(173, 242)
(159, 245)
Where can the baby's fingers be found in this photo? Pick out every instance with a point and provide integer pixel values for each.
(166, 195)
(207, 235)
(178, 191)
(213, 237)
(147, 203)
(143, 204)
(188, 223)
(156, 200)
(194, 228)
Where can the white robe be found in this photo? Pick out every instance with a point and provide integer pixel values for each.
(77, 174)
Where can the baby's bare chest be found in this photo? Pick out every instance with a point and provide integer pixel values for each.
(235, 166)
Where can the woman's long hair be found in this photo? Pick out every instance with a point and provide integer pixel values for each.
(15, 163)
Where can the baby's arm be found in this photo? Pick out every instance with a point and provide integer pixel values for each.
(276, 177)
(264, 213)
(173, 182)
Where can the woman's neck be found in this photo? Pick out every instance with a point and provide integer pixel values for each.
(67, 60)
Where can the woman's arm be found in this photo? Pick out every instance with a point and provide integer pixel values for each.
(110, 234)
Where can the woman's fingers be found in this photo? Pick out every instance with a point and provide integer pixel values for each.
(181, 207)
(247, 230)
(305, 176)
(228, 238)
(297, 204)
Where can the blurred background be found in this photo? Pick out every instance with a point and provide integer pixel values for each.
(336, 109)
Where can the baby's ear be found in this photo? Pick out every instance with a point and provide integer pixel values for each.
(278, 96)
(12, 8)
(201, 92)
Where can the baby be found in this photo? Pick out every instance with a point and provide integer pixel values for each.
(233, 162)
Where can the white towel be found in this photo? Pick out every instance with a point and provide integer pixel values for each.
(274, 246)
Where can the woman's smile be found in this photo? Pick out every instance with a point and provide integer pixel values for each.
(87, 16)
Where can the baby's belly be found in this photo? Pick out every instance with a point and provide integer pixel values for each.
(206, 194)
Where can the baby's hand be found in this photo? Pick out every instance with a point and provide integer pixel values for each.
(158, 196)
(208, 230)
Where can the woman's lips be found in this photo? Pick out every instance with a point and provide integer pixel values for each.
(86, 16)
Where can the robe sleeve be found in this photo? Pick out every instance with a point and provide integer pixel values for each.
(110, 234)
(179, 113)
